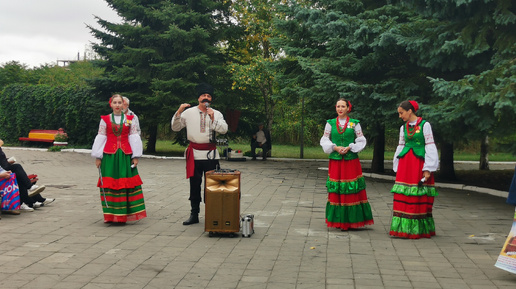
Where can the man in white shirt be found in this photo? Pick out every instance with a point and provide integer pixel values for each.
(259, 140)
(202, 123)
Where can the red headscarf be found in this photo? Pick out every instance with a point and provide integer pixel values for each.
(415, 105)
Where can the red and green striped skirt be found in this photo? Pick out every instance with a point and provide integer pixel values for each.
(347, 205)
(412, 207)
(120, 189)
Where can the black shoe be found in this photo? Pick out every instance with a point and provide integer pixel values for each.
(253, 159)
(194, 219)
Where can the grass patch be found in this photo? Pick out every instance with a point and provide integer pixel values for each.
(167, 148)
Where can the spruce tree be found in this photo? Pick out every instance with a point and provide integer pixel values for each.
(469, 49)
(157, 55)
(455, 57)
(348, 49)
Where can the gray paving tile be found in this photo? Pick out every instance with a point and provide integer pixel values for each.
(67, 245)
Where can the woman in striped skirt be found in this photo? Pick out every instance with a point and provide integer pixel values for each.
(347, 206)
(415, 161)
(117, 148)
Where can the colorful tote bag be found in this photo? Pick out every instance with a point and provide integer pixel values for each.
(10, 194)
(507, 258)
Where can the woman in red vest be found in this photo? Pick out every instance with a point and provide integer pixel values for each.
(347, 206)
(117, 148)
(415, 160)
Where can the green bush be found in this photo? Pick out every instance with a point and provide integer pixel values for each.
(56, 148)
(25, 107)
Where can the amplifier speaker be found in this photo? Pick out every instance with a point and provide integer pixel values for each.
(222, 201)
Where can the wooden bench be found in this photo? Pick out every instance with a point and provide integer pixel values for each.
(42, 135)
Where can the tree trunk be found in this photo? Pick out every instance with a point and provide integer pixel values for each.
(301, 135)
(484, 154)
(151, 140)
(377, 165)
(447, 167)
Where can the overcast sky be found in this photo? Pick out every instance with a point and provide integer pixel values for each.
(36, 32)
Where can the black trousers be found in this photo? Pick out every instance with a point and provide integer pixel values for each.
(255, 145)
(201, 167)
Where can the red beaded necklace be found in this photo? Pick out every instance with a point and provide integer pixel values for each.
(341, 130)
(412, 131)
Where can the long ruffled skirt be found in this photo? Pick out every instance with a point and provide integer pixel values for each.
(347, 205)
(412, 206)
(120, 189)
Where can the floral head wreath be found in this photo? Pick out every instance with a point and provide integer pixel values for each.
(415, 105)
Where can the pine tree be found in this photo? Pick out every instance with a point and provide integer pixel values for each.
(348, 49)
(469, 47)
(160, 51)
(455, 57)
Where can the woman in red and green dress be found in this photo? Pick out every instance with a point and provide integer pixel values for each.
(415, 161)
(117, 148)
(347, 206)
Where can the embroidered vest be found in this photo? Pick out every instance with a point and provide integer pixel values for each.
(114, 142)
(416, 143)
(344, 139)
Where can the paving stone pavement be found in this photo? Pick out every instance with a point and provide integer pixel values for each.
(67, 245)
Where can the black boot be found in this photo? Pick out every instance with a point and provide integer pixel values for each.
(194, 213)
(194, 219)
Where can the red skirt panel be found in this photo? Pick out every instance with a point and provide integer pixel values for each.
(347, 205)
(410, 170)
(344, 171)
(413, 203)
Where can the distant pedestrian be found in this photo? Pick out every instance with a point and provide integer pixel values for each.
(415, 161)
(117, 148)
(347, 206)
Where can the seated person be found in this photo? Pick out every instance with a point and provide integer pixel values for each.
(36, 197)
(261, 139)
(29, 193)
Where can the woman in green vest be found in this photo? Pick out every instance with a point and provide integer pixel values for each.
(415, 161)
(347, 206)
